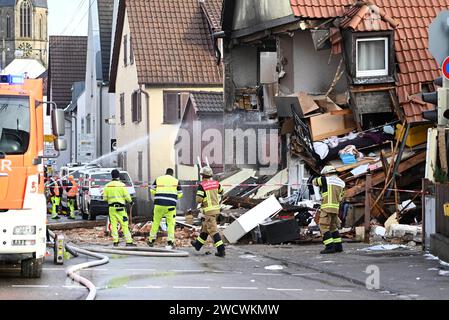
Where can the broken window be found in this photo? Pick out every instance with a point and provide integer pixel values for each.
(372, 57)
(136, 107)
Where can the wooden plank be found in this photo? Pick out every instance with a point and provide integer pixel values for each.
(380, 177)
(333, 133)
(368, 191)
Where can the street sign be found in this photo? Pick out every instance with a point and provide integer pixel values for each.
(439, 37)
(445, 68)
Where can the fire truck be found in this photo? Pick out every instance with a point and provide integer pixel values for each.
(23, 218)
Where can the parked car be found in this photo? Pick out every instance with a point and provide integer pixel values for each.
(94, 180)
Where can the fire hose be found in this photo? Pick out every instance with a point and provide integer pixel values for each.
(94, 252)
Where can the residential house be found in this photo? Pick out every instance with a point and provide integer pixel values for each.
(367, 60)
(161, 49)
(67, 65)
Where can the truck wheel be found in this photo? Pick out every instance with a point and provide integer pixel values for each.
(31, 268)
(91, 214)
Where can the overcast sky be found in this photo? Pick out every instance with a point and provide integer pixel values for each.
(68, 17)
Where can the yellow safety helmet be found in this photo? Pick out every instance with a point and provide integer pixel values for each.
(328, 169)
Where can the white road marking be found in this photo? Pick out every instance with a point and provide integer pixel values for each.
(145, 287)
(267, 274)
(341, 290)
(29, 286)
(140, 270)
(185, 287)
(284, 289)
(240, 288)
(188, 270)
(305, 274)
(322, 290)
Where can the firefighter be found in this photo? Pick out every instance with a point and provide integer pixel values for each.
(208, 195)
(72, 191)
(332, 191)
(166, 191)
(55, 196)
(117, 196)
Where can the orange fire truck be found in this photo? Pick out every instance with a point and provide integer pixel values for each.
(23, 209)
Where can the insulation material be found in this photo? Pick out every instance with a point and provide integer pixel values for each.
(273, 184)
(252, 219)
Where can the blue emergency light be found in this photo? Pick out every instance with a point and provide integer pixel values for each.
(12, 79)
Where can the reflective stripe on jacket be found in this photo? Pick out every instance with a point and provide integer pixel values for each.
(116, 192)
(166, 191)
(332, 191)
(208, 194)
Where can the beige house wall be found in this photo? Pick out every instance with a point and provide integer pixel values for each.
(132, 135)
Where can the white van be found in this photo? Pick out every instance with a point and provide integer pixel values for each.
(94, 180)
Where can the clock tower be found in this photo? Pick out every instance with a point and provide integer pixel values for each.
(23, 31)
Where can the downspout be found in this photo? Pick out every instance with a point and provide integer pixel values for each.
(100, 113)
(149, 139)
(76, 136)
(215, 37)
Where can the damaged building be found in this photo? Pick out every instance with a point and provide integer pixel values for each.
(341, 81)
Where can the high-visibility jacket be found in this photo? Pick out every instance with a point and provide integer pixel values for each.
(208, 194)
(332, 192)
(166, 191)
(72, 189)
(115, 192)
(55, 188)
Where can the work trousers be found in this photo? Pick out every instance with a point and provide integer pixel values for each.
(71, 204)
(55, 203)
(169, 212)
(209, 225)
(119, 215)
(328, 221)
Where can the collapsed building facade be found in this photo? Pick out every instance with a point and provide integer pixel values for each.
(335, 78)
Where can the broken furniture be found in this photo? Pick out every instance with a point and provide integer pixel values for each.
(279, 231)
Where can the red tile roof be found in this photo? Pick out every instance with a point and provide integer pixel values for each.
(416, 64)
(212, 10)
(172, 43)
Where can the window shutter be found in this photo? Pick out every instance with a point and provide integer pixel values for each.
(125, 50)
(171, 107)
(122, 109)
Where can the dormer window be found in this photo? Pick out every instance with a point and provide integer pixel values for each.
(372, 57)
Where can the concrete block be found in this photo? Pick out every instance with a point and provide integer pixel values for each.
(439, 246)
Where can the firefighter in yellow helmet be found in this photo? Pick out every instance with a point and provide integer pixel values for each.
(166, 191)
(332, 191)
(117, 196)
(208, 195)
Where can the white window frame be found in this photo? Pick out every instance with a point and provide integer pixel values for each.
(371, 73)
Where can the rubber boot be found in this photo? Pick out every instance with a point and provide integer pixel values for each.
(198, 243)
(171, 244)
(115, 244)
(131, 245)
(328, 242)
(150, 244)
(337, 241)
(218, 243)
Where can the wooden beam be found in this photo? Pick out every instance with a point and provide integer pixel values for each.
(368, 191)
(380, 177)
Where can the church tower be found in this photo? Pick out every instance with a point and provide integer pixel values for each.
(23, 31)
